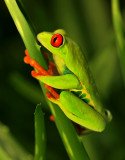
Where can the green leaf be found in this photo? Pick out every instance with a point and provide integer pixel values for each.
(4, 155)
(40, 134)
(119, 33)
(10, 149)
(104, 67)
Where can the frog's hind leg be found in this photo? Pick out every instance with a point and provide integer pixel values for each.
(80, 112)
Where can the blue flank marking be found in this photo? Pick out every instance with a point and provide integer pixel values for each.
(67, 71)
(78, 92)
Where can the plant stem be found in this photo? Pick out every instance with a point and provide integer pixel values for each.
(73, 145)
(40, 135)
(10, 148)
(119, 33)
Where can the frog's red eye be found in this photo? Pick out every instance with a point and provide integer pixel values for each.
(57, 40)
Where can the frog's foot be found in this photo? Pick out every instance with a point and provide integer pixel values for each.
(52, 94)
(27, 57)
(51, 67)
(40, 70)
(79, 128)
(51, 64)
(52, 118)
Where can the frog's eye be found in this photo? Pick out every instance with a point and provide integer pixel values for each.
(108, 115)
(57, 40)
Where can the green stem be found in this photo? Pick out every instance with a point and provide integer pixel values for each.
(119, 33)
(10, 149)
(73, 145)
(3, 155)
(40, 135)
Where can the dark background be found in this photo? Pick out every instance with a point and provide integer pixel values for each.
(89, 23)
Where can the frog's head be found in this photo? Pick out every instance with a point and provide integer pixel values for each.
(55, 42)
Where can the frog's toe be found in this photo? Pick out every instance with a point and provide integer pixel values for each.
(52, 91)
(27, 57)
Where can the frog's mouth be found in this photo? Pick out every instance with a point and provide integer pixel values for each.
(44, 38)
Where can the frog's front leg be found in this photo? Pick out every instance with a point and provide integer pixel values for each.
(68, 81)
(41, 72)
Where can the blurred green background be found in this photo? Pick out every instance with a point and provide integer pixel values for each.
(89, 23)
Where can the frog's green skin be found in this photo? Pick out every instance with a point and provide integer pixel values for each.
(74, 77)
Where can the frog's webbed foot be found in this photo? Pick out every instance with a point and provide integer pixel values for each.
(52, 91)
(52, 95)
(40, 70)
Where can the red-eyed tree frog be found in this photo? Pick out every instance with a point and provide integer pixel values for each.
(79, 98)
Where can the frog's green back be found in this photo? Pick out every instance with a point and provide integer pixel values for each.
(76, 62)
